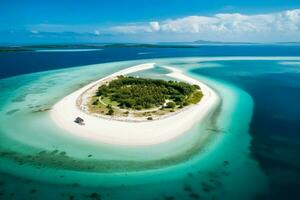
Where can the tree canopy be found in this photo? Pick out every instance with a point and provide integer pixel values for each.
(142, 93)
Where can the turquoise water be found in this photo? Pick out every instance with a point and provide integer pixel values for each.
(39, 160)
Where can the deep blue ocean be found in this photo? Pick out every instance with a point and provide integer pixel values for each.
(12, 63)
(275, 125)
(274, 87)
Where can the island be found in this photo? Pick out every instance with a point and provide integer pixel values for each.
(134, 98)
(122, 109)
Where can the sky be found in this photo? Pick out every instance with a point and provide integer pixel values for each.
(148, 21)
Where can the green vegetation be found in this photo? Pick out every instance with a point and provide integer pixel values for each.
(195, 97)
(110, 111)
(171, 105)
(141, 93)
(149, 118)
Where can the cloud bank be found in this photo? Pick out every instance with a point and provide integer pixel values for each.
(280, 26)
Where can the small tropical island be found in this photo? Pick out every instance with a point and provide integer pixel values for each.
(123, 109)
(134, 97)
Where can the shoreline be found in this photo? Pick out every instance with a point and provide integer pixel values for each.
(127, 133)
(83, 100)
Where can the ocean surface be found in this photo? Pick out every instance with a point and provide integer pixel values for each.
(249, 148)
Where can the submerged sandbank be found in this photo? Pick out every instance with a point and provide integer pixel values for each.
(129, 133)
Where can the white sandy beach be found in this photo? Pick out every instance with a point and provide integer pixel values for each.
(129, 133)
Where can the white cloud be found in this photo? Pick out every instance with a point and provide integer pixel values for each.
(97, 32)
(130, 29)
(224, 24)
(154, 26)
(230, 22)
(279, 26)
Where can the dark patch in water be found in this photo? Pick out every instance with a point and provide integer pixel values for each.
(63, 153)
(166, 197)
(54, 152)
(207, 187)
(226, 163)
(20, 162)
(42, 110)
(32, 191)
(187, 188)
(42, 152)
(75, 185)
(194, 196)
(94, 196)
(20, 98)
(12, 111)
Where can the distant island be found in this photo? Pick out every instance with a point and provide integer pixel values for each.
(141, 97)
(97, 46)
(207, 42)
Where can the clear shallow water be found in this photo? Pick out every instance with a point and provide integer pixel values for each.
(224, 166)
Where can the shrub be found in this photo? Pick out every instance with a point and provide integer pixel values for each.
(95, 102)
(138, 107)
(110, 112)
(171, 104)
(196, 86)
(185, 103)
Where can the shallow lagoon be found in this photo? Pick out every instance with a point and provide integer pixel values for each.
(212, 160)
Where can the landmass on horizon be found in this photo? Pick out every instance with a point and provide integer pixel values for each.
(95, 46)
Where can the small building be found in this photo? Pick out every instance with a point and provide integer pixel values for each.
(79, 121)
